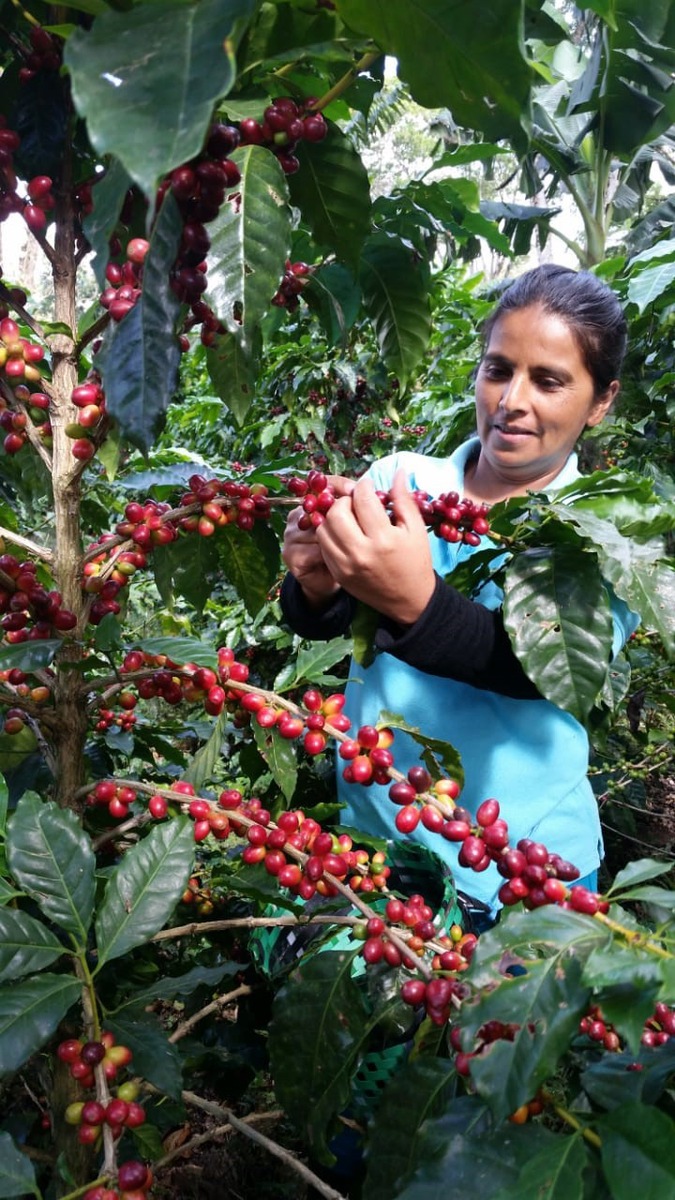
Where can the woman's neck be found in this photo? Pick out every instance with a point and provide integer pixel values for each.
(484, 486)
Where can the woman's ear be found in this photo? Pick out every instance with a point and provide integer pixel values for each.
(602, 404)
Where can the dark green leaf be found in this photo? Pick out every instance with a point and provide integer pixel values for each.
(250, 242)
(460, 1155)
(17, 1174)
(4, 793)
(364, 628)
(169, 987)
(619, 1078)
(628, 501)
(140, 355)
(29, 656)
(143, 890)
(26, 945)
(30, 1012)
(438, 757)
(155, 1057)
(313, 661)
(233, 365)
(312, 1072)
(477, 69)
(108, 634)
(52, 860)
(420, 1089)
(557, 614)
(108, 196)
(202, 764)
(552, 927)
(180, 650)
(638, 1152)
(182, 56)
(335, 297)
(187, 567)
(331, 190)
(279, 754)
(249, 562)
(396, 298)
(555, 1173)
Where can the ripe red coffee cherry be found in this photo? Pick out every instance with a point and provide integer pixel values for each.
(93, 1113)
(413, 991)
(132, 1175)
(92, 1053)
(487, 812)
(407, 819)
(420, 779)
(137, 249)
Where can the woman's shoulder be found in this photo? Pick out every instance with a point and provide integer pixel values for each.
(424, 472)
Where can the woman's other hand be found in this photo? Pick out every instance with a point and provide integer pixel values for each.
(387, 566)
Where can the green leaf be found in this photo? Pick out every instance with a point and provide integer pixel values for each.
(187, 567)
(419, 1090)
(555, 1173)
(203, 763)
(155, 1057)
(180, 55)
(396, 298)
(4, 795)
(312, 1071)
(107, 196)
(26, 945)
(143, 890)
(476, 68)
(17, 1173)
(30, 1012)
(633, 569)
(312, 663)
(334, 296)
(180, 650)
(332, 191)
(233, 365)
(557, 614)
(169, 987)
(250, 242)
(364, 628)
(51, 858)
(546, 1003)
(279, 754)
(638, 1152)
(250, 562)
(636, 872)
(29, 656)
(438, 757)
(140, 354)
(108, 634)
(460, 1155)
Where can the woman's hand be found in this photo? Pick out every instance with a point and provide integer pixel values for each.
(302, 554)
(387, 566)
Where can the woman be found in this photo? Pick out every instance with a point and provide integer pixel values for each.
(550, 368)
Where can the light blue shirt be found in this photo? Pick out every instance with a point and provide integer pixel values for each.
(528, 754)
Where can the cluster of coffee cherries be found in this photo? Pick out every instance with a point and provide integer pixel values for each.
(89, 398)
(284, 125)
(83, 1056)
(44, 53)
(134, 1179)
(594, 1026)
(125, 279)
(30, 611)
(39, 198)
(660, 1027)
(295, 278)
(452, 519)
(22, 376)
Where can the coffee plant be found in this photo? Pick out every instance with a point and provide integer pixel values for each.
(181, 913)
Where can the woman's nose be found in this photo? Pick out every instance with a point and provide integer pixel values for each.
(514, 393)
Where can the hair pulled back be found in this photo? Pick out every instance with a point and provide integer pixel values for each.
(590, 309)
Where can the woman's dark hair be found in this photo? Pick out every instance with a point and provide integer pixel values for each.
(585, 303)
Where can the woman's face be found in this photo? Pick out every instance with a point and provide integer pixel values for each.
(534, 395)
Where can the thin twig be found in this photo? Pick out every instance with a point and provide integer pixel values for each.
(220, 1002)
(212, 1135)
(240, 1126)
(289, 920)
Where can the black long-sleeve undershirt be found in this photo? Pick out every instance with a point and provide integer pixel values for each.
(454, 637)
